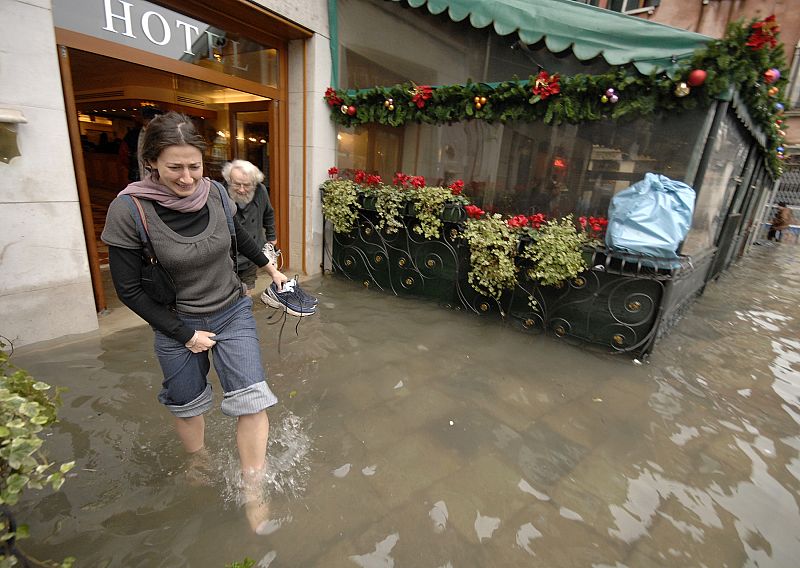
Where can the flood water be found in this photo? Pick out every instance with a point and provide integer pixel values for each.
(411, 435)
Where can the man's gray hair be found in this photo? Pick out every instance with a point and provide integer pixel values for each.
(251, 171)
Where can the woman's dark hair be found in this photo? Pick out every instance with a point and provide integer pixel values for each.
(170, 129)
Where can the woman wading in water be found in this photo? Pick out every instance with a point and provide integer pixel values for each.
(189, 227)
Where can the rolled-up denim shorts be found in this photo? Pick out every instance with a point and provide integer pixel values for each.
(186, 391)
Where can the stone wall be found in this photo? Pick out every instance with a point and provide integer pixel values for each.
(45, 286)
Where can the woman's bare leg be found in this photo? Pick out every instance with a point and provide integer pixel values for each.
(252, 433)
(192, 432)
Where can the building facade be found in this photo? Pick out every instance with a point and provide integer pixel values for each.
(75, 76)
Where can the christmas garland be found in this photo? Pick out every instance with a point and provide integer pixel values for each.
(748, 59)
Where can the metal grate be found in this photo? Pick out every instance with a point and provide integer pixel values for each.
(789, 187)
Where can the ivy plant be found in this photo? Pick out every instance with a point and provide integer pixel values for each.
(389, 203)
(27, 407)
(556, 252)
(492, 249)
(340, 203)
(429, 203)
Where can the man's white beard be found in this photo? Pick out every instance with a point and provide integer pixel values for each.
(242, 199)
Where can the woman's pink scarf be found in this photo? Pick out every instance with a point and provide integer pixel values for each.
(154, 191)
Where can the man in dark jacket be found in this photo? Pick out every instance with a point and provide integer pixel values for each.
(254, 210)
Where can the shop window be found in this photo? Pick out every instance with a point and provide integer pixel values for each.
(632, 6)
(729, 154)
(529, 168)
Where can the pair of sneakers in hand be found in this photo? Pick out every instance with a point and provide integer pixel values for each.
(291, 297)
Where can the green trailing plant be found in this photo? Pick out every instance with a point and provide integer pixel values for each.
(556, 252)
(340, 203)
(27, 407)
(429, 202)
(492, 249)
(390, 203)
(246, 563)
(732, 63)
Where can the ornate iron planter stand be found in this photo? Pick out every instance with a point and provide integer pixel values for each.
(621, 304)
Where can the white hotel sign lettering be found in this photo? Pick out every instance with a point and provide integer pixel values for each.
(119, 19)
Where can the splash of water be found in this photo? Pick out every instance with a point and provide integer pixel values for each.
(288, 456)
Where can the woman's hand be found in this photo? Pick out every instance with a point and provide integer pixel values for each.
(201, 341)
(277, 276)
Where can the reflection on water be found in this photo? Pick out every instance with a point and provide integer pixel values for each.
(409, 435)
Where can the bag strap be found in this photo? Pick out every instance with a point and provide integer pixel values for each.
(141, 227)
(223, 195)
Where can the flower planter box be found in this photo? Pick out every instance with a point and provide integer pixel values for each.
(368, 202)
(616, 304)
(454, 213)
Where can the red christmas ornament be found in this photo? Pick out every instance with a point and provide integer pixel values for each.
(351, 110)
(696, 78)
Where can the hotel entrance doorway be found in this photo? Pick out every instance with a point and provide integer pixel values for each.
(112, 99)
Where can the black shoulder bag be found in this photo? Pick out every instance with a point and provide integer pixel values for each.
(156, 281)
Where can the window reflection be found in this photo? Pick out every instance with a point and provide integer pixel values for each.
(529, 168)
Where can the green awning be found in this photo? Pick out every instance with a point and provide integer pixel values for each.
(588, 31)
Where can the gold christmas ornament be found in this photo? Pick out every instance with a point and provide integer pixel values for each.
(682, 89)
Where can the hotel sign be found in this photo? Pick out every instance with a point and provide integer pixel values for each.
(147, 26)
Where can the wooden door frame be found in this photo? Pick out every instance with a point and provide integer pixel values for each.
(277, 198)
(84, 199)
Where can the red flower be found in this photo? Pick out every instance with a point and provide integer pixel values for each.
(474, 211)
(332, 97)
(456, 187)
(400, 179)
(517, 221)
(596, 224)
(360, 177)
(546, 85)
(417, 181)
(374, 180)
(537, 219)
(333, 172)
(420, 94)
(763, 33)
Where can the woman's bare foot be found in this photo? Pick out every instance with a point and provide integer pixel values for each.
(256, 506)
(199, 468)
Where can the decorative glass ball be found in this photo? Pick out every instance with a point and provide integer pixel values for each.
(696, 78)
(772, 75)
(604, 99)
(344, 109)
(682, 89)
(610, 92)
(613, 99)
